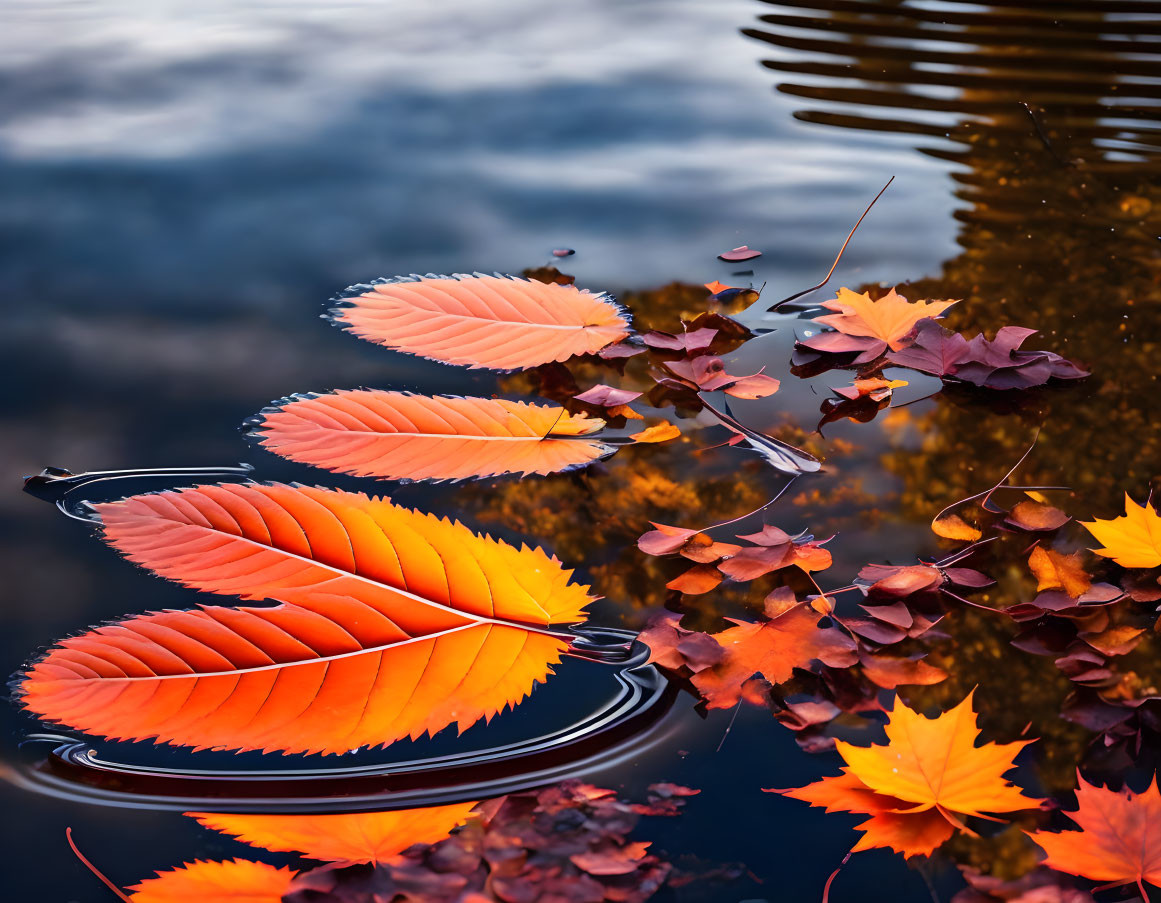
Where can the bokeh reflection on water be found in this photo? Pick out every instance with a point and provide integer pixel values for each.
(185, 184)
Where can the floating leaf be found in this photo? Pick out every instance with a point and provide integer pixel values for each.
(1036, 517)
(739, 253)
(659, 432)
(772, 550)
(1056, 571)
(1119, 840)
(233, 881)
(344, 837)
(991, 363)
(708, 374)
(887, 320)
(889, 671)
(401, 436)
(394, 623)
(501, 322)
(722, 663)
(689, 341)
(876, 388)
(931, 349)
(1132, 540)
(1000, 364)
(607, 396)
(700, 578)
(952, 526)
(917, 785)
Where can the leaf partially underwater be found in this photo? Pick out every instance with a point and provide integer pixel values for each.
(233, 881)
(342, 837)
(393, 623)
(501, 322)
(402, 436)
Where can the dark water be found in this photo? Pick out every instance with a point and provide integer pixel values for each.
(186, 185)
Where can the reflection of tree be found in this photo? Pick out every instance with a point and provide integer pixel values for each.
(1053, 134)
(1050, 122)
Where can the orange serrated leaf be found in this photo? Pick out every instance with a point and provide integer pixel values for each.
(501, 322)
(889, 319)
(232, 881)
(1119, 839)
(394, 623)
(344, 837)
(401, 436)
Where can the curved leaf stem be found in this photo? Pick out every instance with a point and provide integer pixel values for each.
(838, 257)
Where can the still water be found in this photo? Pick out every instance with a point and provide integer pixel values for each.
(186, 184)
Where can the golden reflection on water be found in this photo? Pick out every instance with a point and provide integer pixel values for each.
(1048, 123)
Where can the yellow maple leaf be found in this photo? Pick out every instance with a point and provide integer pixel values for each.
(922, 782)
(1133, 540)
(888, 319)
(935, 764)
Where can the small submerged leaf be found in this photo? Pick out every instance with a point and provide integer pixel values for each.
(659, 432)
(232, 881)
(343, 837)
(952, 526)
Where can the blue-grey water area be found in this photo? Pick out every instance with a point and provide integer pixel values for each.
(186, 184)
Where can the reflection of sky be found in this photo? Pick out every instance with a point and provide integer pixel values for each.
(246, 155)
(186, 182)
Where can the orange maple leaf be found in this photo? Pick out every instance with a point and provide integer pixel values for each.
(772, 648)
(889, 319)
(919, 785)
(1119, 838)
(1133, 540)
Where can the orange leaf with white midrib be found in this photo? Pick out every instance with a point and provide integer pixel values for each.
(427, 624)
(342, 837)
(402, 436)
(325, 547)
(501, 322)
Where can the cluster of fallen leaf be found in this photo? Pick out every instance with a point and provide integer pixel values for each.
(810, 663)
(568, 843)
(871, 335)
(366, 589)
(891, 330)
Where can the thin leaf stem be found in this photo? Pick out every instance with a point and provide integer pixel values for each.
(839, 256)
